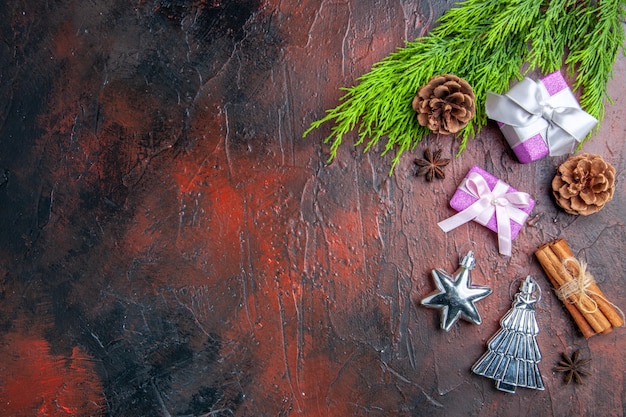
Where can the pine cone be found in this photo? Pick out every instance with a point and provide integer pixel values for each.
(445, 105)
(584, 184)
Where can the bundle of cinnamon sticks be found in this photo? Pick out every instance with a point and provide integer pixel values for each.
(589, 308)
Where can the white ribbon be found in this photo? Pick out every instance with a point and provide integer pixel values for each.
(506, 206)
(529, 101)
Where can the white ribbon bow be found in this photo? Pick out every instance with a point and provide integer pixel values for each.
(529, 101)
(506, 206)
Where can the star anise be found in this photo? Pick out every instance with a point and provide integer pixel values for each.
(431, 165)
(572, 367)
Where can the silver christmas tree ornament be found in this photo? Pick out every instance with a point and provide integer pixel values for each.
(513, 354)
(456, 295)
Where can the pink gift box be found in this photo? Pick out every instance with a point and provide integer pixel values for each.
(462, 200)
(528, 142)
(532, 149)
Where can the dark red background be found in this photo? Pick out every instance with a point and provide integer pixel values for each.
(171, 246)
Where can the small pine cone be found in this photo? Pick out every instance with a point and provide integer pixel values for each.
(584, 184)
(445, 105)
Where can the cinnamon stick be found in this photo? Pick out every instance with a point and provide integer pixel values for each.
(563, 251)
(589, 319)
(550, 271)
(596, 319)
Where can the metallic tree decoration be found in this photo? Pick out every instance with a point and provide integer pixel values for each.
(456, 295)
(513, 354)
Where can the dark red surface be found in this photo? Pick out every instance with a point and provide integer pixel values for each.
(171, 246)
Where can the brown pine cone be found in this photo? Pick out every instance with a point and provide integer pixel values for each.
(584, 184)
(445, 105)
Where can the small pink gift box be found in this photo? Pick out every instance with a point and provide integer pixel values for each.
(539, 118)
(483, 198)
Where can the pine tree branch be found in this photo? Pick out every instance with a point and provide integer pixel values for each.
(487, 43)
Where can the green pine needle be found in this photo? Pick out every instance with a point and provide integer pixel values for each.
(488, 43)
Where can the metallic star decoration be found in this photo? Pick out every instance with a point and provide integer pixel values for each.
(456, 295)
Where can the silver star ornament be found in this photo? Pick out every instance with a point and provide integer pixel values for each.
(456, 295)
